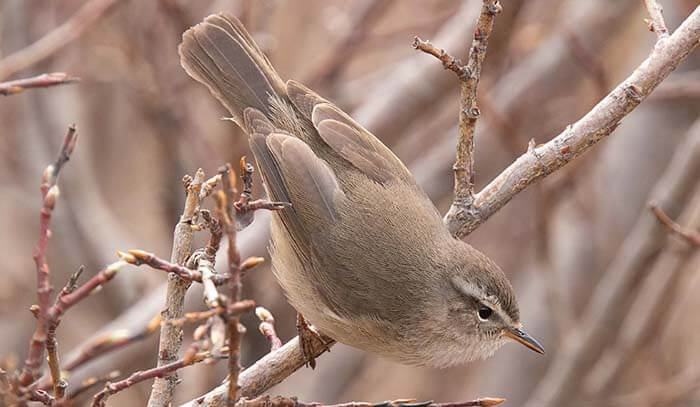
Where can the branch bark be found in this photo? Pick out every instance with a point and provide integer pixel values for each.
(171, 334)
(265, 373)
(540, 161)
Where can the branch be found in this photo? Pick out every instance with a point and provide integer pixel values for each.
(41, 81)
(225, 210)
(690, 236)
(469, 76)
(52, 42)
(267, 401)
(49, 193)
(272, 369)
(190, 358)
(170, 334)
(576, 139)
(657, 23)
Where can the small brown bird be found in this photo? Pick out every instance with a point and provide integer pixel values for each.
(362, 253)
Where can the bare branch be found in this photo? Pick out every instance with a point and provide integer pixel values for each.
(688, 235)
(272, 369)
(191, 357)
(448, 61)
(657, 23)
(469, 76)
(225, 209)
(542, 160)
(171, 335)
(41, 81)
(267, 401)
(49, 193)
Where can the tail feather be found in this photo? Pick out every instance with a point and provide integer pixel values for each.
(222, 55)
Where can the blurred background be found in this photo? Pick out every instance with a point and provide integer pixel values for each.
(600, 284)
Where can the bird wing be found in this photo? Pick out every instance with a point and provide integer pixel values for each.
(347, 138)
(294, 174)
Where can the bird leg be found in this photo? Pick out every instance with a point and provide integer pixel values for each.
(307, 335)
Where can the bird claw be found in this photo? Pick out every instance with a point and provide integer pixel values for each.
(308, 334)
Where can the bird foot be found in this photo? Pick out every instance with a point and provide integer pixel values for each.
(308, 334)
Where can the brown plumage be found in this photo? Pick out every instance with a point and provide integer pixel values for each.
(362, 253)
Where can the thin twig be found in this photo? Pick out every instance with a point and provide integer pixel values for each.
(226, 214)
(690, 236)
(190, 358)
(49, 193)
(89, 384)
(448, 61)
(656, 23)
(41, 81)
(171, 335)
(81, 21)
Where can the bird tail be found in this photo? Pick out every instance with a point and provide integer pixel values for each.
(221, 54)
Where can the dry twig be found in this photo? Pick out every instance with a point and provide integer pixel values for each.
(49, 193)
(690, 236)
(191, 357)
(225, 210)
(267, 401)
(41, 81)
(469, 76)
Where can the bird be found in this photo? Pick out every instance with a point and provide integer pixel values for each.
(361, 252)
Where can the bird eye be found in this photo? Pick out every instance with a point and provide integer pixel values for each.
(484, 312)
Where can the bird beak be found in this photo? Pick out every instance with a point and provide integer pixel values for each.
(518, 335)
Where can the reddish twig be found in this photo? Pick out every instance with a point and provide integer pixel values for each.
(267, 327)
(656, 22)
(111, 341)
(239, 308)
(89, 384)
(49, 193)
(191, 357)
(41, 81)
(690, 236)
(245, 208)
(140, 257)
(225, 210)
